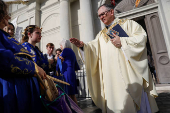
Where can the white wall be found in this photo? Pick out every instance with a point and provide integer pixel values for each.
(50, 18)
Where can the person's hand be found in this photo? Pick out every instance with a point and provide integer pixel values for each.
(76, 42)
(41, 72)
(56, 57)
(116, 41)
(62, 59)
(57, 73)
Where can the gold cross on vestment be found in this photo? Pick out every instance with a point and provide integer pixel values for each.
(43, 65)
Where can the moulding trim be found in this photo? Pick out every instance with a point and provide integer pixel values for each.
(137, 12)
(51, 31)
(49, 6)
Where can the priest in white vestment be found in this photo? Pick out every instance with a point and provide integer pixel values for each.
(118, 76)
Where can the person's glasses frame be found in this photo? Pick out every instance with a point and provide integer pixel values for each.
(103, 14)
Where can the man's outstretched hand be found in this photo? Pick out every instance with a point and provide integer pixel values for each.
(76, 42)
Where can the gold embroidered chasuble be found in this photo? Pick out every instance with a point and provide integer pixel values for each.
(115, 85)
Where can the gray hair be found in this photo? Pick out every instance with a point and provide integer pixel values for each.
(108, 6)
(66, 44)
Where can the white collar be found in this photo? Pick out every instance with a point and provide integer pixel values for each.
(107, 26)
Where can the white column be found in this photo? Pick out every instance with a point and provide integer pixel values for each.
(65, 19)
(87, 20)
(34, 16)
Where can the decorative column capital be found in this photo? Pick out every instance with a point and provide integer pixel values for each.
(64, 0)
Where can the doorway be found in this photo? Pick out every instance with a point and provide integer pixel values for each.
(156, 46)
(150, 57)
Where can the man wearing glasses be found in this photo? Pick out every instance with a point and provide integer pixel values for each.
(117, 69)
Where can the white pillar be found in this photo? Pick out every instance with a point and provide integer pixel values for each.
(65, 19)
(34, 16)
(87, 20)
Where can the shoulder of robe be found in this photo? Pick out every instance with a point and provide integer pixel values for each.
(120, 21)
(130, 21)
(96, 38)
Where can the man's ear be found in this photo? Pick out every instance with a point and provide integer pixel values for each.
(112, 12)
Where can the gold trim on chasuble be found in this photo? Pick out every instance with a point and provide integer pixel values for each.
(104, 31)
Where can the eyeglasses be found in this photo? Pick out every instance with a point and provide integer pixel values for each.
(103, 14)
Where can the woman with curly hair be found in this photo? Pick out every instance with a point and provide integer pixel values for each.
(32, 35)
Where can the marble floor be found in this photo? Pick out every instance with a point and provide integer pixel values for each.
(88, 107)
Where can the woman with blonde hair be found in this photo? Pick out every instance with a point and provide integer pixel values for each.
(69, 66)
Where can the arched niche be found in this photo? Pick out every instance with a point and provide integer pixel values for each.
(51, 22)
(50, 31)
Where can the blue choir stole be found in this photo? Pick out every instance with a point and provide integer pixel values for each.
(117, 30)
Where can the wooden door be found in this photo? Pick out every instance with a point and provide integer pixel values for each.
(158, 47)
